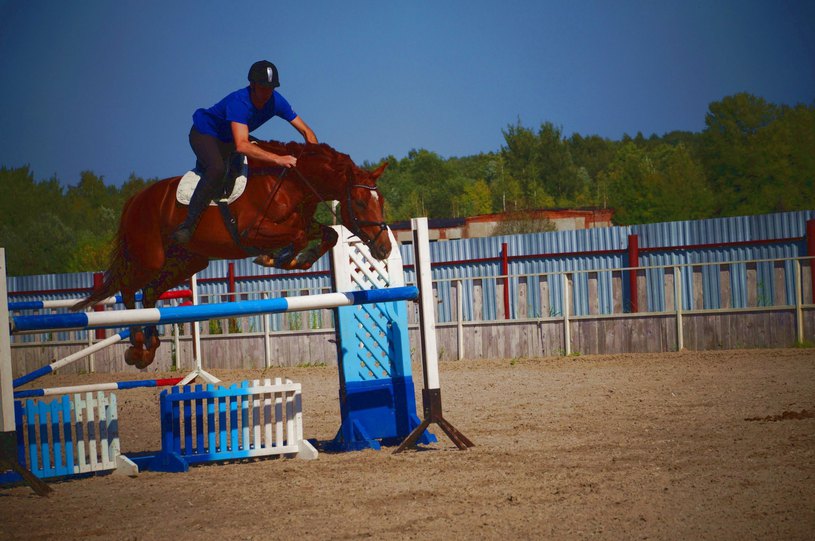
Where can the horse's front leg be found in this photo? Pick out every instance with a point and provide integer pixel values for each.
(328, 239)
(144, 340)
(134, 354)
(307, 256)
(283, 244)
(151, 342)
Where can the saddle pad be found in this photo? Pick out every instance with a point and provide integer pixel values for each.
(190, 180)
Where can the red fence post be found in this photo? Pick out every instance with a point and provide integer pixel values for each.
(505, 272)
(98, 280)
(633, 261)
(231, 280)
(811, 252)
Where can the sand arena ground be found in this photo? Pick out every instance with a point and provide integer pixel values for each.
(714, 445)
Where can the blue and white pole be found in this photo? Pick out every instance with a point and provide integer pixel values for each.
(81, 354)
(184, 314)
(67, 303)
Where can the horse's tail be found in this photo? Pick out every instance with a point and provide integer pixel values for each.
(111, 284)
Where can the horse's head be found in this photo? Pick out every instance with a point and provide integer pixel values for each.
(363, 210)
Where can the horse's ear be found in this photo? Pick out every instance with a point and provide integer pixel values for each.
(381, 169)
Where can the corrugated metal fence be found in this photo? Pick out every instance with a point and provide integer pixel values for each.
(478, 263)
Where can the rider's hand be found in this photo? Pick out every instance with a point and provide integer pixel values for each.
(286, 161)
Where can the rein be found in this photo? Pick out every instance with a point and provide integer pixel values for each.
(357, 225)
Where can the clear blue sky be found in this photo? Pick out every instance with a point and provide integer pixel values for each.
(110, 86)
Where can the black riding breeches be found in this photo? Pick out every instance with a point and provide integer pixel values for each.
(211, 161)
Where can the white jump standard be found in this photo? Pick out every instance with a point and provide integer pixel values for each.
(8, 422)
(431, 393)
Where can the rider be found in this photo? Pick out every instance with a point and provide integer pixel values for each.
(224, 128)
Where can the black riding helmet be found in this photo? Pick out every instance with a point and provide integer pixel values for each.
(264, 73)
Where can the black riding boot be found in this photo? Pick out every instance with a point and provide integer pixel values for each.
(198, 204)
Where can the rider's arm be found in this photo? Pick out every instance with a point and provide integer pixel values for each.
(240, 133)
(304, 130)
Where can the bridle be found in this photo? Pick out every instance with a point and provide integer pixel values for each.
(356, 224)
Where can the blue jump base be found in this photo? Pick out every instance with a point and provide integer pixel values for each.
(377, 395)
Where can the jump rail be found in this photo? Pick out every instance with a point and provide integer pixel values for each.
(67, 303)
(165, 382)
(48, 369)
(184, 314)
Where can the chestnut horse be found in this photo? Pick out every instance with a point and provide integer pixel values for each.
(276, 211)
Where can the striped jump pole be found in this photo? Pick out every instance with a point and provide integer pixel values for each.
(67, 303)
(81, 354)
(184, 314)
(112, 386)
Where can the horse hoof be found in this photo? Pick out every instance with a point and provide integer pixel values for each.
(264, 261)
(148, 358)
(145, 361)
(133, 356)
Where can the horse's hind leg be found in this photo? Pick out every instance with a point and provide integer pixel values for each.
(179, 266)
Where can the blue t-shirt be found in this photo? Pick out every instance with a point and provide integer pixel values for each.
(238, 107)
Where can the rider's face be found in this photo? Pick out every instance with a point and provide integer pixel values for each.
(261, 94)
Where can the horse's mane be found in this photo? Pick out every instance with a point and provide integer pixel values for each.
(308, 150)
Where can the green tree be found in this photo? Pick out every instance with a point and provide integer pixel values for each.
(681, 191)
(39, 246)
(558, 175)
(542, 163)
(520, 158)
(631, 178)
(507, 194)
(730, 144)
(592, 155)
(476, 199)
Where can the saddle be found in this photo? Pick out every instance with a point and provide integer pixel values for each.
(234, 186)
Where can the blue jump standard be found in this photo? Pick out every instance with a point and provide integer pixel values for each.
(203, 312)
(377, 403)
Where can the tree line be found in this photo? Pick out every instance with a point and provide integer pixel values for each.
(752, 157)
